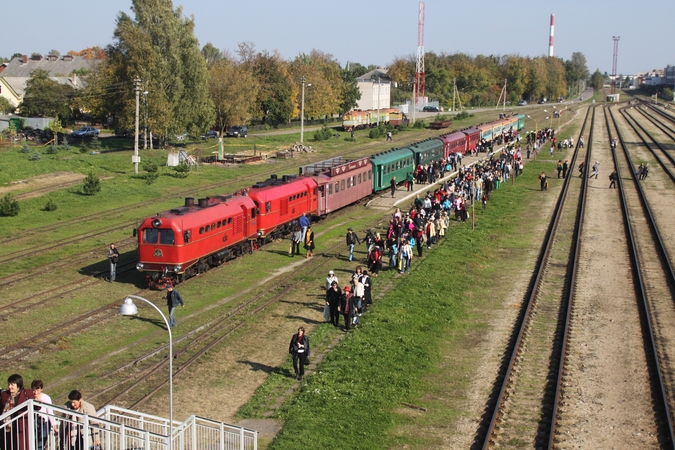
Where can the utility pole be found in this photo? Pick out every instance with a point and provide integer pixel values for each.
(454, 93)
(616, 53)
(136, 159)
(379, 88)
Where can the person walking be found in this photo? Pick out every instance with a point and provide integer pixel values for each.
(559, 168)
(333, 298)
(299, 348)
(113, 257)
(542, 181)
(173, 299)
(410, 182)
(389, 138)
(351, 240)
(44, 422)
(72, 435)
(346, 306)
(595, 172)
(565, 168)
(612, 180)
(392, 185)
(330, 279)
(309, 242)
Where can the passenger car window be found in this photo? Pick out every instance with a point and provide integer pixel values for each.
(342, 185)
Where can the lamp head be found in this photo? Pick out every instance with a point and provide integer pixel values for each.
(128, 308)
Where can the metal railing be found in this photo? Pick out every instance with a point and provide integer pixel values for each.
(25, 427)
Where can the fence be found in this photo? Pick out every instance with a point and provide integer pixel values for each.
(37, 426)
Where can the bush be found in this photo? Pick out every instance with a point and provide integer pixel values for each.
(323, 134)
(84, 148)
(91, 184)
(419, 123)
(95, 143)
(24, 148)
(9, 206)
(50, 206)
(182, 171)
(150, 167)
(462, 115)
(36, 156)
(52, 149)
(64, 144)
(350, 139)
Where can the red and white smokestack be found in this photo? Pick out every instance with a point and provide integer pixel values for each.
(550, 37)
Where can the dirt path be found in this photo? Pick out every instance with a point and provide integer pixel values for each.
(42, 184)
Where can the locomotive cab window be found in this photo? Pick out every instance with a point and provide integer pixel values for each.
(166, 236)
(150, 235)
(229, 220)
(268, 207)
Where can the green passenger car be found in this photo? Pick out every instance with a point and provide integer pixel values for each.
(396, 162)
(427, 151)
(521, 121)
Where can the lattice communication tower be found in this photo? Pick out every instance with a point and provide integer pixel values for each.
(419, 75)
(616, 53)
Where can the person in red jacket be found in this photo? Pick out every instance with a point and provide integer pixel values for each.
(15, 437)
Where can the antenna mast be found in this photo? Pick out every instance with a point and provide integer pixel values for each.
(419, 76)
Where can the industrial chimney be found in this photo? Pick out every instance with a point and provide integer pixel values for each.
(550, 37)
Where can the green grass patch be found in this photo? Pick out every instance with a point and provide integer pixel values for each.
(351, 399)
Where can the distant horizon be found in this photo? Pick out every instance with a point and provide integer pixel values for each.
(373, 33)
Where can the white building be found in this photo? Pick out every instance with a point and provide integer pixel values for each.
(375, 87)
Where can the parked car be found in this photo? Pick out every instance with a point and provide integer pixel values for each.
(542, 101)
(237, 131)
(522, 103)
(211, 134)
(86, 132)
(121, 132)
(430, 109)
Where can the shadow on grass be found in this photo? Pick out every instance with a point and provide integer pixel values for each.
(306, 319)
(267, 369)
(156, 322)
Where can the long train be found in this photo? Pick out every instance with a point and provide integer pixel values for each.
(180, 243)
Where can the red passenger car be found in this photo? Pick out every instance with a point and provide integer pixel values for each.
(340, 182)
(280, 202)
(178, 244)
(472, 138)
(453, 143)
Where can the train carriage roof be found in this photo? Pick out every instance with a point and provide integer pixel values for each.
(275, 188)
(426, 145)
(451, 137)
(390, 156)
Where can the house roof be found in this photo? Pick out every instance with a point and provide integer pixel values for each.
(369, 76)
(60, 66)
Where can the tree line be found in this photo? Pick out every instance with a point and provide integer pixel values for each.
(187, 89)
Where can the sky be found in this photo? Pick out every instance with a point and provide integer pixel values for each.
(375, 31)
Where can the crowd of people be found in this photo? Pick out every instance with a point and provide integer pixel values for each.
(69, 429)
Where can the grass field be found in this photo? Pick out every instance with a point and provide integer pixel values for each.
(402, 352)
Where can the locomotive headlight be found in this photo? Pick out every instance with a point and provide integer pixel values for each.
(177, 268)
(156, 223)
(260, 233)
(139, 267)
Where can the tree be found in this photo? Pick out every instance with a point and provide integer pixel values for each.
(211, 54)
(275, 104)
(323, 72)
(234, 90)
(54, 52)
(351, 94)
(5, 106)
(44, 97)
(9, 206)
(158, 46)
(91, 184)
(538, 78)
(597, 80)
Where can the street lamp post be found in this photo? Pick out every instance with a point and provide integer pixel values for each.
(302, 110)
(128, 308)
(135, 159)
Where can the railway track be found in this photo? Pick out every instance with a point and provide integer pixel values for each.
(523, 410)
